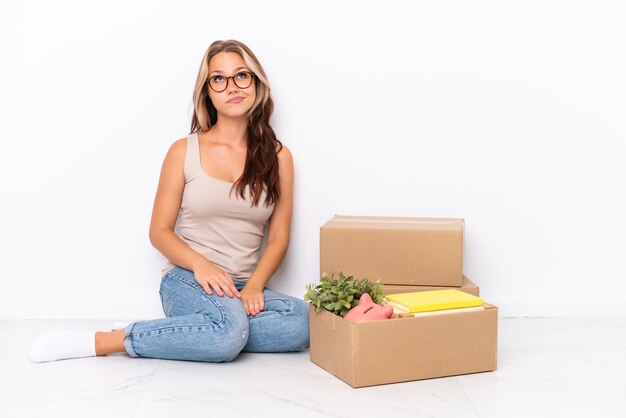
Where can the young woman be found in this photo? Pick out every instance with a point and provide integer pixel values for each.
(227, 180)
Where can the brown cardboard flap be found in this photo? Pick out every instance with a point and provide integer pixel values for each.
(414, 219)
(388, 222)
(467, 286)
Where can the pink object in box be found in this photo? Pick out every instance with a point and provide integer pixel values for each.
(367, 310)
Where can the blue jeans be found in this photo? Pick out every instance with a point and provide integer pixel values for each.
(213, 328)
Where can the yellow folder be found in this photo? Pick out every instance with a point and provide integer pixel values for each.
(433, 300)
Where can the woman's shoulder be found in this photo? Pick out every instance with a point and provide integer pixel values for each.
(283, 152)
(179, 146)
(285, 159)
(177, 151)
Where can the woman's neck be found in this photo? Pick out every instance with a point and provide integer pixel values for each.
(229, 132)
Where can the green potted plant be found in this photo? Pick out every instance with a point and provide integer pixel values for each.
(340, 295)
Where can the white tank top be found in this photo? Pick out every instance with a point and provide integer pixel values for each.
(227, 231)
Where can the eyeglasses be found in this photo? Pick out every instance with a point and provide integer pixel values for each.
(242, 79)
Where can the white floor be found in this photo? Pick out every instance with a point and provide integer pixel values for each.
(547, 367)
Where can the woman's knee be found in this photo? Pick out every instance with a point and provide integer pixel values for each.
(235, 339)
(230, 341)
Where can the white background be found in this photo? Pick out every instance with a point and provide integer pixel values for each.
(507, 114)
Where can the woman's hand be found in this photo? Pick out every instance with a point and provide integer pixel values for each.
(208, 275)
(252, 299)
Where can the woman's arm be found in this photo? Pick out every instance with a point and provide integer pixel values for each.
(279, 226)
(166, 207)
(164, 213)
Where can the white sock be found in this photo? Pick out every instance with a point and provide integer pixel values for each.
(58, 345)
(119, 325)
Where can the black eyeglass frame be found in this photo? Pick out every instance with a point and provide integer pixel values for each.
(252, 75)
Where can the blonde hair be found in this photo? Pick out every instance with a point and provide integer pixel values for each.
(261, 168)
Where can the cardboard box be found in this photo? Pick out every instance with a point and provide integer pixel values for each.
(396, 250)
(467, 286)
(404, 349)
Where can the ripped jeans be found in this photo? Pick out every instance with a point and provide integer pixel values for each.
(203, 327)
